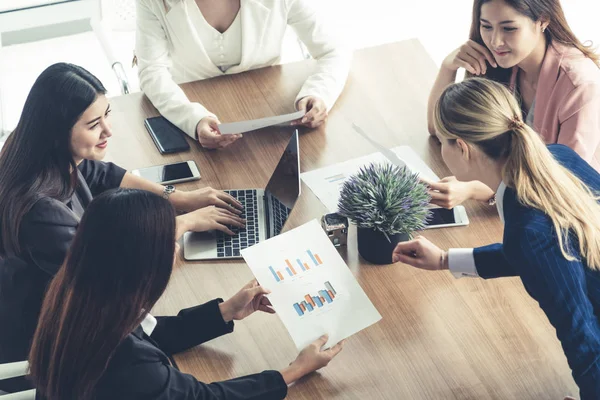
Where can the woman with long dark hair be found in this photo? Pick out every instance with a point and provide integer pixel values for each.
(528, 46)
(548, 198)
(90, 342)
(50, 169)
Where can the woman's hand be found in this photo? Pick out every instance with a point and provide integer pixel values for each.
(311, 359)
(209, 136)
(450, 192)
(200, 198)
(208, 218)
(471, 56)
(316, 111)
(249, 299)
(421, 253)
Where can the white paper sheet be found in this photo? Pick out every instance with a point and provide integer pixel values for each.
(252, 125)
(312, 289)
(326, 183)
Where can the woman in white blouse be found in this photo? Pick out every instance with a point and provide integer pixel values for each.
(186, 40)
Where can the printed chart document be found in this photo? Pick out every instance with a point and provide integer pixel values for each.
(252, 125)
(312, 289)
(326, 183)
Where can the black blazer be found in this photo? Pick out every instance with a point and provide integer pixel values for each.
(141, 369)
(45, 235)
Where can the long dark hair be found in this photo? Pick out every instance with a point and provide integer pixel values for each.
(119, 265)
(36, 160)
(558, 30)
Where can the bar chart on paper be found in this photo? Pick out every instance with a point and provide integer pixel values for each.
(310, 303)
(293, 268)
(311, 287)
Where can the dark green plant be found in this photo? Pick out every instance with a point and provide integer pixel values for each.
(386, 198)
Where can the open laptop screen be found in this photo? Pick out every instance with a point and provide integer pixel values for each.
(283, 188)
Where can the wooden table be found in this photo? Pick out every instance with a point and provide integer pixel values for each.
(440, 338)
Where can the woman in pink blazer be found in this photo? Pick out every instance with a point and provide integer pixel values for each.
(527, 45)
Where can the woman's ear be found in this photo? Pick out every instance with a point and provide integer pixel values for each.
(544, 24)
(464, 149)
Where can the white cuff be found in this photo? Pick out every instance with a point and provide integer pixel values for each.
(461, 262)
(148, 324)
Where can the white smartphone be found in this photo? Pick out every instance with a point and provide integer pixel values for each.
(171, 173)
(443, 218)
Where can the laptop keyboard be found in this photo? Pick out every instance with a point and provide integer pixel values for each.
(279, 212)
(230, 246)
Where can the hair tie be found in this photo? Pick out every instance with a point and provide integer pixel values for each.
(515, 123)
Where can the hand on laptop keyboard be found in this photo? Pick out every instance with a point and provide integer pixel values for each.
(209, 218)
(230, 246)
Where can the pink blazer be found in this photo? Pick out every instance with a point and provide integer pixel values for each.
(567, 102)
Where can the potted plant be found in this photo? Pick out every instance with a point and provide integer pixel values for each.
(387, 203)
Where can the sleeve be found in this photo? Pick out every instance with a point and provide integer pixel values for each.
(191, 327)
(580, 120)
(163, 382)
(156, 81)
(46, 233)
(461, 263)
(101, 176)
(333, 58)
(560, 287)
(491, 262)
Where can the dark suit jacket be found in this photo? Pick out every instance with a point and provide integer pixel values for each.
(567, 291)
(140, 369)
(46, 232)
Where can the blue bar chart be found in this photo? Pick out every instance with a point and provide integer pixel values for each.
(311, 303)
(293, 269)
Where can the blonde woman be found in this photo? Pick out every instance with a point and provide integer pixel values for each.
(547, 198)
(187, 40)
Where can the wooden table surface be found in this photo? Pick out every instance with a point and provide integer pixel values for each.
(439, 338)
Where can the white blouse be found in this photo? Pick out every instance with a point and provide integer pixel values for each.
(172, 47)
(223, 49)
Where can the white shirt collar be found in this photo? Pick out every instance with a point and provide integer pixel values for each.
(148, 324)
(500, 200)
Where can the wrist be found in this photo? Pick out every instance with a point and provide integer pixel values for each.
(479, 191)
(444, 261)
(292, 373)
(225, 311)
(179, 199)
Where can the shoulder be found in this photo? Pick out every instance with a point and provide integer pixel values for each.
(137, 366)
(50, 211)
(569, 159)
(576, 70)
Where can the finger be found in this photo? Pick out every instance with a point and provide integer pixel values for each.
(472, 61)
(406, 259)
(485, 51)
(310, 116)
(223, 228)
(258, 291)
(437, 196)
(466, 65)
(425, 180)
(441, 187)
(320, 342)
(229, 221)
(228, 213)
(229, 198)
(334, 351)
(448, 179)
(302, 104)
(265, 308)
(478, 58)
(226, 206)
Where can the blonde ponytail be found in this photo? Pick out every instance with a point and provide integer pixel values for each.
(485, 114)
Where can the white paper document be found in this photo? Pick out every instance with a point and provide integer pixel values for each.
(252, 125)
(326, 183)
(312, 289)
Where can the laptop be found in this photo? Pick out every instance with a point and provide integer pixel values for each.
(265, 210)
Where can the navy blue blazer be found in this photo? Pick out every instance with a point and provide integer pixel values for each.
(567, 291)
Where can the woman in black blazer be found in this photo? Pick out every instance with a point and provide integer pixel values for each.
(90, 343)
(50, 169)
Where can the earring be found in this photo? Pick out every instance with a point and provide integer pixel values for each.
(543, 29)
